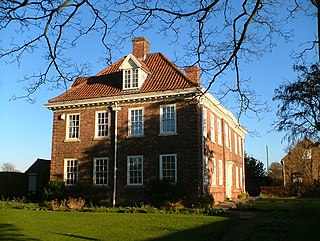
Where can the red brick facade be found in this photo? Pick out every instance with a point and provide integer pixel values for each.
(195, 149)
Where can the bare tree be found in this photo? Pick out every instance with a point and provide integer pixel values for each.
(8, 167)
(217, 35)
(299, 108)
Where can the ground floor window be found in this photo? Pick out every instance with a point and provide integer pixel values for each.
(135, 171)
(168, 167)
(100, 171)
(70, 171)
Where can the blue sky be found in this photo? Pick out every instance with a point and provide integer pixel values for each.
(26, 129)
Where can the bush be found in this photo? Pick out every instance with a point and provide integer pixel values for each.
(243, 195)
(54, 190)
(299, 189)
(206, 201)
(162, 193)
(70, 204)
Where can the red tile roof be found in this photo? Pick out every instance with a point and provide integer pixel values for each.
(164, 75)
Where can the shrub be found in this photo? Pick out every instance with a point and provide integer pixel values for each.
(243, 195)
(162, 193)
(206, 201)
(55, 189)
(74, 203)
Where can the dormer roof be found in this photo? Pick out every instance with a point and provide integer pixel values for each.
(162, 75)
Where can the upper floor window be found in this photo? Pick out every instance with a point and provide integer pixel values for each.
(219, 132)
(168, 167)
(212, 129)
(100, 171)
(240, 146)
(131, 78)
(73, 126)
(135, 171)
(235, 143)
(135, 122)
(226, 135)
(102, 124)
(70, 171)
(204, 123)
(168, 119)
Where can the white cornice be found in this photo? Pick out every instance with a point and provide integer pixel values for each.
(212, 103)
(134, 97)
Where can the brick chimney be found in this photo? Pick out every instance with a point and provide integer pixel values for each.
(140, 47)
(193, 73)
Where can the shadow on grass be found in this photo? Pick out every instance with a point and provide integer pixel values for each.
(212, 231)
(10, 232)
(76, 236)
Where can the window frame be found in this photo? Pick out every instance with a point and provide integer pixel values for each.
(219, 130)
(65, 174)
(162, 132)
(175, 167)
(130, 122)
(129, 171)
(237, 177)
(204, 123)
(226, 135)
(214, 172)
(212, 129)
(130, 78)
(97, 124)
(106, 172)
(69, 127)
(240, 176)
(235, 143)
(220, 178)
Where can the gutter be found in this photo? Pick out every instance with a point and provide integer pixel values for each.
(115, 109)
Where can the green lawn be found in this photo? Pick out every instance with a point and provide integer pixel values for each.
(266, 220)
(284, 219)
(48, 225)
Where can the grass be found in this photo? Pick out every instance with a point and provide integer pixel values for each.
(285, 219)
(48, 225)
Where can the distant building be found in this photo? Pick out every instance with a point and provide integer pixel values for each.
(302, 163)
(28, 184)
(38, 175)
(140, 119)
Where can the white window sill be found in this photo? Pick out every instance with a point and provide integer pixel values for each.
(72, 140)
(101, 138)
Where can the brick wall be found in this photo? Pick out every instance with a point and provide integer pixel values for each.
(185, 144)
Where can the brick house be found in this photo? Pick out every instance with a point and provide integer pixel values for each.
(302, 163)
(142, 118)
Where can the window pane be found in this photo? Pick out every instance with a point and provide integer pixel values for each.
(71, 172)
(135, 170)
(101, 171)
(136, 122)
(168, 119)
(127, 78)
(168, 167)
(102, 124)
(73, 126)
(134, 78)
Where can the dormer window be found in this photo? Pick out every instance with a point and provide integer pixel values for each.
(134, 73)
(131, 78)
